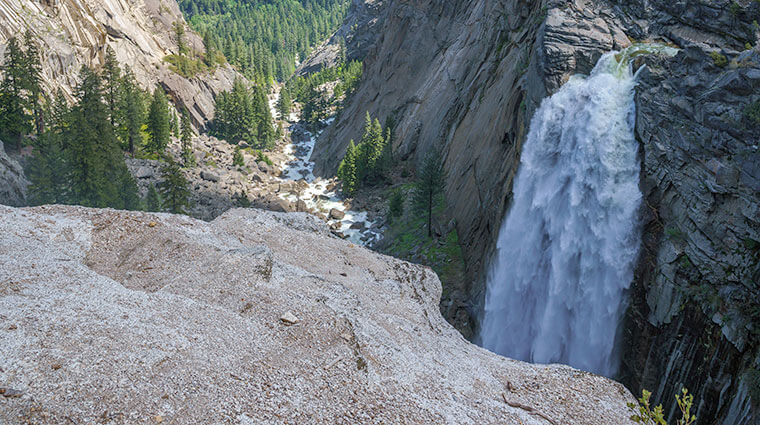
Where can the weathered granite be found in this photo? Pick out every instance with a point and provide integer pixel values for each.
(154, 318)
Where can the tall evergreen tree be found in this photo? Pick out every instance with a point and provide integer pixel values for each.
(111, 76)
(47, 171)
(285, 104)
(179, 37)
(174, 189)
(186, 137)
(429, 186)
(347, 171)
(33, 81)
(14, 120)
(132, 112)
(152, 200)
(158, 122)
(97, 174)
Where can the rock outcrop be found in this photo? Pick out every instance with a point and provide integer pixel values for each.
(466, 76)
(359, 33)
(73, 34)
(256, 317)
(696, 315)
(13, 182)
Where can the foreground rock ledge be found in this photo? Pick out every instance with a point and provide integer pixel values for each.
(120, 317)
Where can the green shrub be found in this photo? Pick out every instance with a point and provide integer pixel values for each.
(396, 204)
(719, 60)
(237, 158)
(644, 414)
(752, 112)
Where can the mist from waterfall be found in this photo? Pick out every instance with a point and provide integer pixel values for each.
(566, 251)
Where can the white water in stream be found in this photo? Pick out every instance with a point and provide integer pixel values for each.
(355, 225)
(566, 251)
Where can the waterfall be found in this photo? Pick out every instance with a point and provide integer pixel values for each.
(557, 284)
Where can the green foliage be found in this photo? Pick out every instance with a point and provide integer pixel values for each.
(187, 66)
(243, 114)
(264, 38)
(186, 137)
(752, 113)
(429, 186)
(367, 163)
(242, 201)
(174, 189)
(347, 170)
(408, 239)
(20, 106)
(316, 104)
(237, 158)
(153, 199)
(719, 60)
(111, 75)
(96, 175)
(131, 113)
(285, 104)
(158, 122)
(644, 414)
(396, 204)
(47, 171)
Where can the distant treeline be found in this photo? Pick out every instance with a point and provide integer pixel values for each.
(264, 38)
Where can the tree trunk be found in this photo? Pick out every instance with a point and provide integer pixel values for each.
(430, 214)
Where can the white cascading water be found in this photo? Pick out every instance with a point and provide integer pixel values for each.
(566, 251)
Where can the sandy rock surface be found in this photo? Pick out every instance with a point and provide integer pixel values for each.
(120, 317)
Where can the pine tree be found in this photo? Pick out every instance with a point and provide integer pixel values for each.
(186, 137)
(111, 76)
(33, 82)
(152, 199)
(14, 121)
(285, 104)
(97, 174)
(237, 158)
(174, 189)
(158, 122)
(179, 38)
(396, 204)
(347, 171)
(429, 185)
(47, 171)
(132, 112)
(368, 164)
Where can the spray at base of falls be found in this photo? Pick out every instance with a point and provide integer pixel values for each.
(567, 248)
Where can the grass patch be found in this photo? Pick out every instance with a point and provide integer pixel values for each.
(407, 238)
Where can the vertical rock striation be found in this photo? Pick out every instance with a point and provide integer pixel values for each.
(73, 34)
(466, 76)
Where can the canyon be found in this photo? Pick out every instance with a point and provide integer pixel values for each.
(462, 77)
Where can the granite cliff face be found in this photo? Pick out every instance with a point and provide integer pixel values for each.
(13, 182)
(256, 317)
(76, 33)
(467, 76)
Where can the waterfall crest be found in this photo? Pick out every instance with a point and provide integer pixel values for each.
(568, 245)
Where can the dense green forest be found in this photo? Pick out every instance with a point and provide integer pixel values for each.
(243, 114)
(316, 104)
(264, 38)
(79, 148)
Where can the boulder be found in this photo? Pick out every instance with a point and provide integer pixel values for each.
(209, 176)
(13, 182)
(144, 173)
(336, 214)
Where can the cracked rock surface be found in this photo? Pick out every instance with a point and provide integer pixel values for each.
(127, 317)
